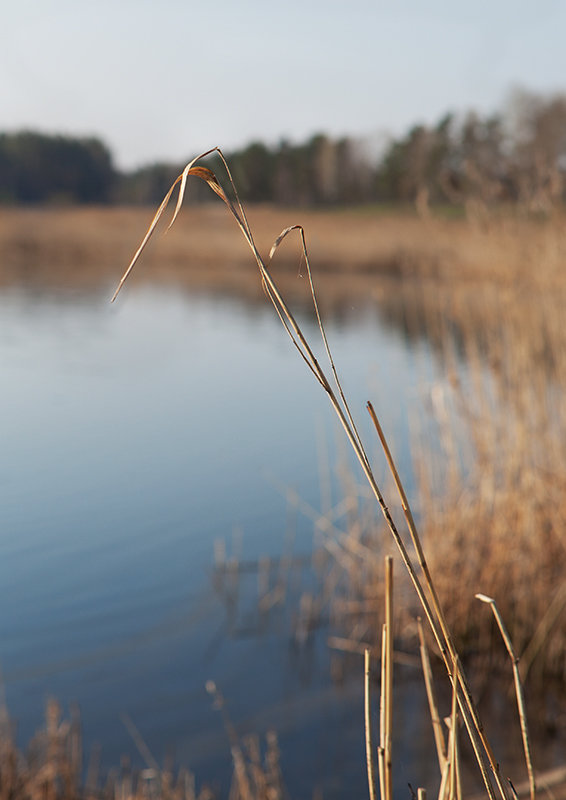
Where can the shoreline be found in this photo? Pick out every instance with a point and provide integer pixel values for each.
(349, 250)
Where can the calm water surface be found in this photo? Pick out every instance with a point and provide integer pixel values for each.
(134, 436)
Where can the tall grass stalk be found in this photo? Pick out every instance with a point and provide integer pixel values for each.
(518, 689)
(370, 737)
(443, 636)
(424, 587)
(385, 760)
(388, 681)
(432, 703)
(492, 480)
(455, 781)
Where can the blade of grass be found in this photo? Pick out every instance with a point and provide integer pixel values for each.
(455, 787)
(383, 714)
(444, 781)
(388, 742)
(432, 704)
(370, 749)
(518, 689)
(139, 741)
(241, 776)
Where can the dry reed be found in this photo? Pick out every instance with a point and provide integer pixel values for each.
(370, 737)
(490, 488)
(419, 573)
(359, 254)
(518, 689)
(51, 769)
(510, 494)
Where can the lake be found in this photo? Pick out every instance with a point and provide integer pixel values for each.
(134, 437)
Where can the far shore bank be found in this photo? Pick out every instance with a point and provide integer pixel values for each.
(349, 249)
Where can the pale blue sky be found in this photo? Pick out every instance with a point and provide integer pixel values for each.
(165, 80)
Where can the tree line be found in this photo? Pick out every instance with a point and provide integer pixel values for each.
(516, 156)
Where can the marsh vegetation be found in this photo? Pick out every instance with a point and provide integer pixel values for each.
(487, 446)
(408, 545)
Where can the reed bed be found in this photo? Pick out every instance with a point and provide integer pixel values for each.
(52, 767)
(491, 496)
(488, 454)
(359, 253)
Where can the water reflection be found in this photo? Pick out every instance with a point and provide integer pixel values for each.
(134, 436)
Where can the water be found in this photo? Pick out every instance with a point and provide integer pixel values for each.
(134, 436)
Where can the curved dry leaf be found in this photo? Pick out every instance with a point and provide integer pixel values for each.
(204, 174)
(146, 238)
(282, 236)
(183, 178)
(208, 175)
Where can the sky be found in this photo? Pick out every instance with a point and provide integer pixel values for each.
(167, 79)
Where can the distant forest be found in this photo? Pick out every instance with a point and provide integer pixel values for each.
(516, 156)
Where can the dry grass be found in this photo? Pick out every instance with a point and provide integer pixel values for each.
(357, 253)
(489, 451)
(408, 544)
(491, 507)
(52, 768)
(490, 467)
(492, 498)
